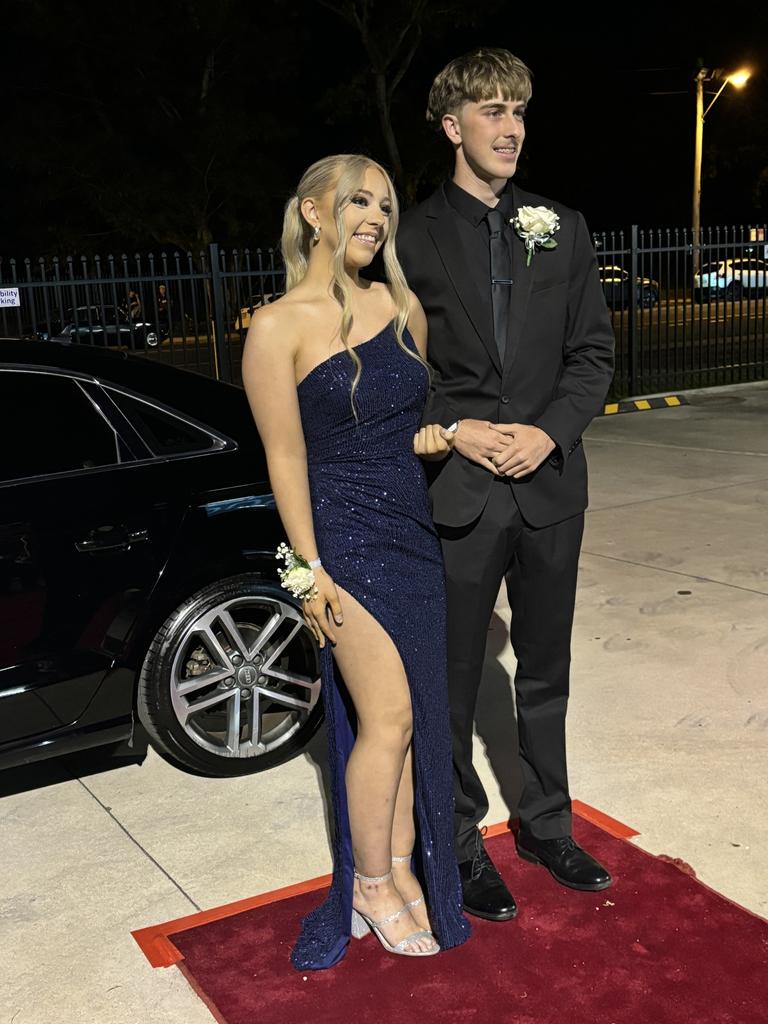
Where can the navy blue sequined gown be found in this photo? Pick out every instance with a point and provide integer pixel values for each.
(375, 536)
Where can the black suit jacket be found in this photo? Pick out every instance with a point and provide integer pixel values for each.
(557, 367)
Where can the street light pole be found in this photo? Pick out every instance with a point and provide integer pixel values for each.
(737, 79)
(698, 148)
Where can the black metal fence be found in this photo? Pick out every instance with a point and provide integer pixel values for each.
(685, 315)
(686, 312)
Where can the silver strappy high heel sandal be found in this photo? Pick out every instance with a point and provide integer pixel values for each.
(419, 899)
(362, 923)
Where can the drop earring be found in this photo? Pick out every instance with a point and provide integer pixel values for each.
(316, 234)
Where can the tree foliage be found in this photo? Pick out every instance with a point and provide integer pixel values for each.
(165, 124)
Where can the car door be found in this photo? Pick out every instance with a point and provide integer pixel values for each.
(756, 275)
(747, 275)
(87, 523)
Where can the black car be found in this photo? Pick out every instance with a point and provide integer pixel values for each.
(137, 568)
(618, 290)
(102, 325)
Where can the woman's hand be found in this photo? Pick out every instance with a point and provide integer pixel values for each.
(316, 610)
(433, 442)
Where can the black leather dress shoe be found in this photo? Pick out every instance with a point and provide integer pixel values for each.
(485, 894)
(566, 861)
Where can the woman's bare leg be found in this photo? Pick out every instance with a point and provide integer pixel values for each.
(403, 839)
(376, 681)
(403, 824)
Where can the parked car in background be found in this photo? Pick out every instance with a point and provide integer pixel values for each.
(137, 568)
(102, 325)
(243, 321)
(731, 279)
(618, 290)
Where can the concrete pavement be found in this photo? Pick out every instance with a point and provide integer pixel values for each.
(668, 732)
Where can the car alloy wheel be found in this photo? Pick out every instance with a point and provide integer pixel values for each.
(231, 682)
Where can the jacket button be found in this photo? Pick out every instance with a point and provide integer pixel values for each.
(505, 399)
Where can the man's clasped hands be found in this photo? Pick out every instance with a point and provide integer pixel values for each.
(505, 449)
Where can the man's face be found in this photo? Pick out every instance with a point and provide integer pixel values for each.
(491, 135)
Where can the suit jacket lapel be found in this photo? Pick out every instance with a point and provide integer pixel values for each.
(446, 240)
(522, 277)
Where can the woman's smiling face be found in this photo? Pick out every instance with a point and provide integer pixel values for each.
(366, 218)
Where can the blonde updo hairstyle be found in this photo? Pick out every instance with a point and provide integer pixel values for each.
(345, 174)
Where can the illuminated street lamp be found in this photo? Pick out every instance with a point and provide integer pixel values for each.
(738, 79)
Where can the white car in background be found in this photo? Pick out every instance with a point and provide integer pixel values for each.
(731, 278)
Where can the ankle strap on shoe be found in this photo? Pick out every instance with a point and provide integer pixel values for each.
(373, 879)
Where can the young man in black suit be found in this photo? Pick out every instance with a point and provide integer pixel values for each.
(522, 346)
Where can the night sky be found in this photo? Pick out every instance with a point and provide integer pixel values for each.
(109, 145)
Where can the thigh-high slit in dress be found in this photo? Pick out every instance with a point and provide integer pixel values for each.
(376, 539)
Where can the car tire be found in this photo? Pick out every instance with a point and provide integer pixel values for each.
(649, 297)
(734, 290)
(281, 674)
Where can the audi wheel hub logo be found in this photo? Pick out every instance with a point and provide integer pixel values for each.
(247, 675)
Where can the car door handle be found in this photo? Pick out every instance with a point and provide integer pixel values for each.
(111, 538)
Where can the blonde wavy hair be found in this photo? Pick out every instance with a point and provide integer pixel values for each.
(344, 174)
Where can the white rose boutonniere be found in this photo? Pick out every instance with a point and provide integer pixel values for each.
(536, 225)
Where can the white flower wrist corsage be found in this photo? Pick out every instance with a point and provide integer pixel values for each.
(297, 576)
(536, 225)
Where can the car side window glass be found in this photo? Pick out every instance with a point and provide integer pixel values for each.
(163, 433)
(50, 426)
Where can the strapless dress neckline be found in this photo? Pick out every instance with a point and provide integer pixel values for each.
(360, 344)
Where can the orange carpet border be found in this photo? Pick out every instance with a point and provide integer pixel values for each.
(604, 821)
(156, 945)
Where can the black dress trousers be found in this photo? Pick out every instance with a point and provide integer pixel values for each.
(539, 567)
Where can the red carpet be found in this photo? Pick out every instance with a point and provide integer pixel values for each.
(656, 948)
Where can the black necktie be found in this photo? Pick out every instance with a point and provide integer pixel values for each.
(501, 278)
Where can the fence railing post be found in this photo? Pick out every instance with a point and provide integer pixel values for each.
(633, 347)
(220, 337)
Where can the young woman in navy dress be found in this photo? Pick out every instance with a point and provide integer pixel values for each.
(336, 375)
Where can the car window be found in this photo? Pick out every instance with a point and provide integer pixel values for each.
(164, 433)
(50, 426)
(85, 316)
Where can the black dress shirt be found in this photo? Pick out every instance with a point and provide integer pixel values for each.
(470, 218)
